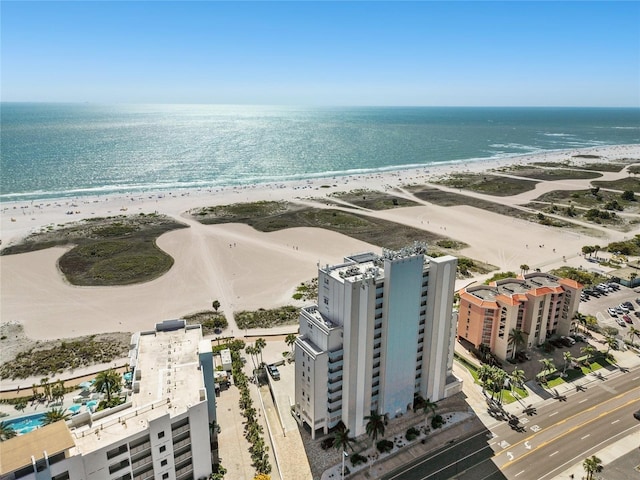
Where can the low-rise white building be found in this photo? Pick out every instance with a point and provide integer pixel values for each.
(164, 430)
(382, 333)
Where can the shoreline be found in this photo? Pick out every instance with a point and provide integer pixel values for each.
(14, 214)
(246, 269)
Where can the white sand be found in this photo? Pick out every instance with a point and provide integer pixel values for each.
(262, 269)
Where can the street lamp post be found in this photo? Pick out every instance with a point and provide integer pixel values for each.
(344, 455)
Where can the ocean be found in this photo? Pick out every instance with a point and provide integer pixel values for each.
(73, 150)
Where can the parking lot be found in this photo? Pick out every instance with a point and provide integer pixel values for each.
(597, 306)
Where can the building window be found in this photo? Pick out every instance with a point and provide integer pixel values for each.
(165, 476)
(326, 300)
(161, 435)
(163, 448)
(163, 463)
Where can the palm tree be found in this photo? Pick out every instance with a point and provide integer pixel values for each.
(516, 338)
(499, 378)
(109, 381)
(216, 305)
(547, 366)
(524, 268)
(429, 406)
(57, 391)
(55, 415)
(290, 340)
(567, 360)
(596, 249)
(260, 344)
(582, 320)
(588, 350)
(46, 388)
(6, 431)
(517, 378)
(375, 426)
(342, 440)
(611, 342)
(251, 351)
(484, 374)
(633, 332)
(592, 465)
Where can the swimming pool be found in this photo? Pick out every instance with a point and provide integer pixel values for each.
(25, 424)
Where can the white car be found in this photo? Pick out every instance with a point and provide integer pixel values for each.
(612, 312)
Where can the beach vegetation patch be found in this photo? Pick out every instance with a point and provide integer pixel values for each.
(122, 262)
(551, 174)
(307, 291)
(210, 321)
(581, 276)
(382, 233)
(48, 358)
(500, 276)
(118, 250)
(630, 247)
(261, 318)
(373, 199)
(450, 199)
(239, 212)
(496, 185)
(603, 167)
(622, 184)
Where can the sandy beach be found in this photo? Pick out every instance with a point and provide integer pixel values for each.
(247, 269)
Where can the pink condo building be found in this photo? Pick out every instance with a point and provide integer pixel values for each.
(539, 304)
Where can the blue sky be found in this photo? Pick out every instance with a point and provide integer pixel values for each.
(323, 53)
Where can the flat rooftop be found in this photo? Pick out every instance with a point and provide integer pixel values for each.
(483, 293)
(169, 383)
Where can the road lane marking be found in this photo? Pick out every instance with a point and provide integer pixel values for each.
(587, 435)
(522, 471)
(573, 460)
(553, 453)
(510, 455)
(552, 414)
(566, 419)
(527, 445)
(535, 428)
(635, 378)
(581, 401)
(566, 432)
(615, 421)
(504, 444)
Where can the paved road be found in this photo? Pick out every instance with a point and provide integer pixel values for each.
(469, 457)
(562, 433)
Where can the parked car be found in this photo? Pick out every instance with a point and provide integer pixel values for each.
(567, 341)
(629, 305)
(556, 342)
(274, 372)
(522, 356)
(621, 322)
(636, 415)
(612, 312)
(638, 301)
(626, 318)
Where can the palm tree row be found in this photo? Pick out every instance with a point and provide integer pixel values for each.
(252, 430)
(255, 350)
(494, 379)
